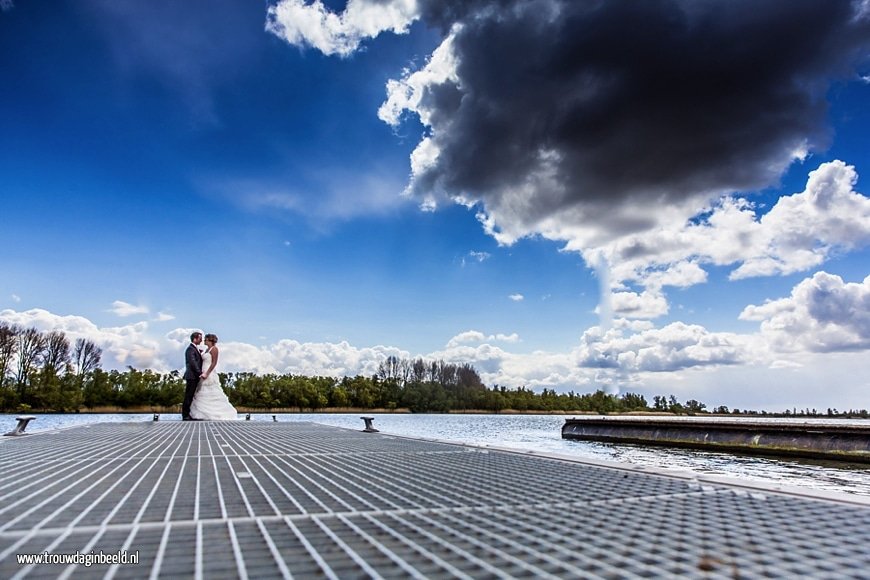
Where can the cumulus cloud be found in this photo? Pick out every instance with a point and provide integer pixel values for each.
(802, 230)
(135, 345)
(467, 336)
(621, 357)
(536, 370)
(334, 359)
(541, 111)
(631, 355)
(314, 25)
(632, 348)
(124, 309)
(799, 232)
(130, 345)
(643, 305)
(539, 114)
(517, 297)
(470, 336)
(44, 320)
(822, 314)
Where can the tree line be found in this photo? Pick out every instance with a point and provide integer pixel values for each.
(45, 371)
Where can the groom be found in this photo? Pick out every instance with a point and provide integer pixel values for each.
(192, 373)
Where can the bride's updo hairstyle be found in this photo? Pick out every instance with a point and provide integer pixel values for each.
(211, 337)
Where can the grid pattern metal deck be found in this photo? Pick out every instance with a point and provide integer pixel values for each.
(249, 499)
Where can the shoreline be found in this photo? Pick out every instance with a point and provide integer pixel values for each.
(405, 411)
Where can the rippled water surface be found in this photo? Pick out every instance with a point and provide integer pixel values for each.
(542, 433)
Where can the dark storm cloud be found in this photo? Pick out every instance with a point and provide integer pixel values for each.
(623, 102)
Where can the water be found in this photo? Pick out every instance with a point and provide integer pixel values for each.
(542, 433)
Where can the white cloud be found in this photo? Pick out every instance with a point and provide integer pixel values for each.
(647, 304)
(517, 297)
(631, 348)
(44, 320)
(477, 336)
(620, 358)
(408, 93)
(16, 298)
(164, 317)
(334, 359)
(820, 381)
(122, 346)
(314, 25)
(678, 275)
(802, 230)
(535, 370)
(472, 255)
(465, 337)
(134, 345)
(124, 309)
(799, 232)
(822, 314)
(631, 355)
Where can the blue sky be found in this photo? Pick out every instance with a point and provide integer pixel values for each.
(656, 198)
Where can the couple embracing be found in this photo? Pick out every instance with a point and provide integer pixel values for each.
(204, 399)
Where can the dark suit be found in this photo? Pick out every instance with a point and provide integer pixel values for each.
(192, 372)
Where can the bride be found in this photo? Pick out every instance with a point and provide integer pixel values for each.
(210, 403)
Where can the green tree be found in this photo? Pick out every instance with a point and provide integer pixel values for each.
(97, 389)
(633, 402)
(86, 357)
(693, 407)
(170, 390)
(602, 402)
(425, 397)
(361, 391)
(51, 389)
(30, 348)
(8, 350)
(339, 397)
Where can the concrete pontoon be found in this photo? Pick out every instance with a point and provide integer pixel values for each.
(818, 440)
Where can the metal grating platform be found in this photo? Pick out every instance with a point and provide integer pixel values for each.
(248, 499)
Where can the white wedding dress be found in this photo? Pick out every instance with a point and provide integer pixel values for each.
(210, 403)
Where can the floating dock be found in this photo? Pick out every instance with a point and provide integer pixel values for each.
(814, 440)
(292, 499)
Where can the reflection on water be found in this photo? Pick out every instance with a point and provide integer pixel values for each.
(542, 433)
